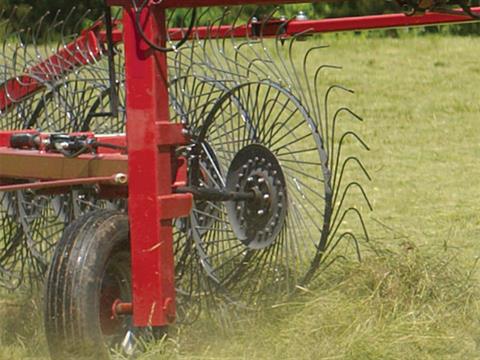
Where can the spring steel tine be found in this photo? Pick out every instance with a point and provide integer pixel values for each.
(333, 246)
(317, 84)
(345, 163)
(344, 215)
(344, 136)
(348, 188)
(339, 112)
(325, 105)
(308, 82)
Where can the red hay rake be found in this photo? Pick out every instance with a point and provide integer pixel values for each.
(225, 186)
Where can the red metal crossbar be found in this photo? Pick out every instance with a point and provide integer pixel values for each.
(289, 28)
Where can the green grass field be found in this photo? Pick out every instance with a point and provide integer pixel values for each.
(415, 295)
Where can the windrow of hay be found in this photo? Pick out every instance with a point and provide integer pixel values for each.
(407, 303)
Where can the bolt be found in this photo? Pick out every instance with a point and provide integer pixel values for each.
(245, 167)
(257, 158)
(275, 172)
(301, 16)
(250, 179)
(121, 179)
(266, 197)
(261, 180)
(240, 175)
(239, 208)
(272, 224)
(261, 212)
(263, 160)
(278, 182)
(269, 165)
(250, 161)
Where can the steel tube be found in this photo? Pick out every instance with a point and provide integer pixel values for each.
(27, 164)
(117, 179)
(332, 25)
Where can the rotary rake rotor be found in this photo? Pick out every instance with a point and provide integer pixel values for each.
(263, 130)
(134, 221)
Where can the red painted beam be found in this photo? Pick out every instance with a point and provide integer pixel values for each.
(150, 171)
(203, 3)
(117, 179)
(376, 22)
(327, 25)
(33, 164)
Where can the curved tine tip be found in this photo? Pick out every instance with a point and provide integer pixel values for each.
(342, 218)
(349, 111)
(360, 140)
(359, 163)
(362, 190)
(340, 87)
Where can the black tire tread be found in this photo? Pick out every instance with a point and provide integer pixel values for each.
(70, 330)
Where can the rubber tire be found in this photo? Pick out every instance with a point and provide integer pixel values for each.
(72, 299)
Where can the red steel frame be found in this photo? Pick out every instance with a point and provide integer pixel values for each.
(151, 138)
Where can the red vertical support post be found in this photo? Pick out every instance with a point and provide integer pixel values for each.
(150, 170)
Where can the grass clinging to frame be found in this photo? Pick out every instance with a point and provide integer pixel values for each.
(415, 295)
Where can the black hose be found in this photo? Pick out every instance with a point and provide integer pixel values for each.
(138, 12)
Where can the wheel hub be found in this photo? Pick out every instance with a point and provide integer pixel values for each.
(257, 222)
